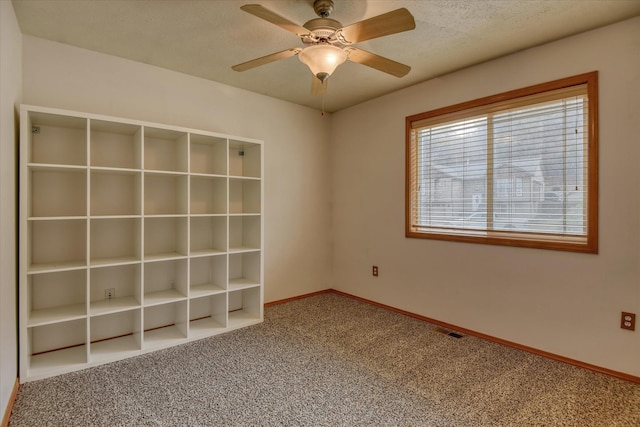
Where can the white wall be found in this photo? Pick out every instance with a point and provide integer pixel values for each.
(297, 191)
(10, 88)
(564, 303)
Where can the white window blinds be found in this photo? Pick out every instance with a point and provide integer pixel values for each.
(512, 169)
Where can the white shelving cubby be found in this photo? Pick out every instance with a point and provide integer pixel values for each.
(56, 139)
(56, 348)
(57, 191)
(208, 195)
(245, 270)
(207, 314)
(115, 145)
(165, 325)
(245, 159)
(56, 245)
(244, 308)
(56, 297)
(165, 282)
(208, 235)
(116, 334)
(208, 155)
(134, 236)
(165, 194)
(165, 237)
(244, 196)
(165, 149)
(208, 276)
(115, 288)
(244, 233)
(114, 241)
(115, 192)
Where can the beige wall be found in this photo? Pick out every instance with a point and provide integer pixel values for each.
(10, 88)
(297, 192)
(564, 303)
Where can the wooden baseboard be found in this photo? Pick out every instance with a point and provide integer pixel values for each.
(12, 399)
(546, 354)
(282, 301)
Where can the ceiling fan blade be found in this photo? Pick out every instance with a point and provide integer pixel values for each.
(378, 62)
(274, 18)
(393, 22)
(318, 87)
(267, 59)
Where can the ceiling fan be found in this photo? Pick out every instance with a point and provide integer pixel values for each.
(328, 44)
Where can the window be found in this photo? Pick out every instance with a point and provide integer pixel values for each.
(518, 169)
(519, 187)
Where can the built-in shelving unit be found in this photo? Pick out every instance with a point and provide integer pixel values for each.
(134, 236)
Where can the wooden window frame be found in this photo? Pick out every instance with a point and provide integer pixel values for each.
(589, 244)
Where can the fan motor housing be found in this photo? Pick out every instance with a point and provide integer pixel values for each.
(321, 30)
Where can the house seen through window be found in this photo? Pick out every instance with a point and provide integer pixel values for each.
(518, 168)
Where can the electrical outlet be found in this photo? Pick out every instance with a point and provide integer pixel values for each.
(628, 321)
(110, 293)
(374, 270)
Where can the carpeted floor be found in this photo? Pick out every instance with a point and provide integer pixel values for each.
(329, 360)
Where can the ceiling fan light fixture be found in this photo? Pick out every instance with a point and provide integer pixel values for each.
(322, 59)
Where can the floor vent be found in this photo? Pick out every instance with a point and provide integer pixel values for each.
(447, 332)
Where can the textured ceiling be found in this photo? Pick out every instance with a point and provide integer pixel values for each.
(205, 38)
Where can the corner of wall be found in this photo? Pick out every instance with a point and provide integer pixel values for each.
(11, 90)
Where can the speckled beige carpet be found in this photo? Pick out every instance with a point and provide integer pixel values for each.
(329, 360)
